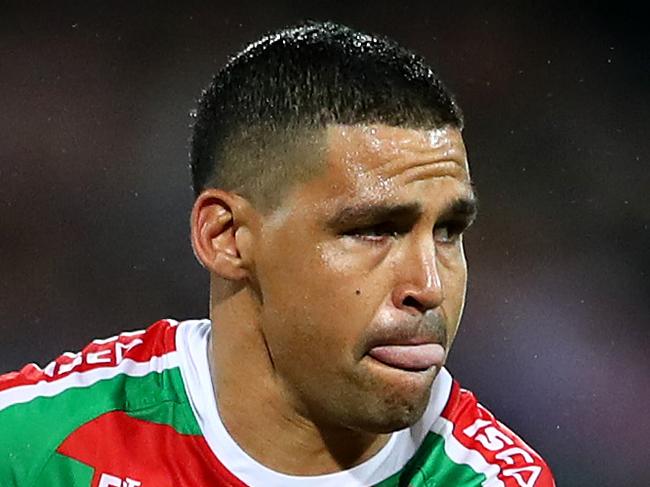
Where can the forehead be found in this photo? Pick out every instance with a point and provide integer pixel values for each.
(378, 166)
(364, 160)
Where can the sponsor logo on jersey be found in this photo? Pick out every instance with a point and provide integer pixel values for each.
(112, 355)
(485, 432)
(108, 480)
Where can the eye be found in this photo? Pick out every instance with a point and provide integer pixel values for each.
(448, 232)
(373, 234)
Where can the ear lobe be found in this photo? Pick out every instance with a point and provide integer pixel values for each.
(214, 235)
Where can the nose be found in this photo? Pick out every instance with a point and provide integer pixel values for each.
(419, 285)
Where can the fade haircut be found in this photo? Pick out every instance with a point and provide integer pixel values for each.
(259, 124)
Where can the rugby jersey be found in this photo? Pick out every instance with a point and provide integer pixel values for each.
(139, 410)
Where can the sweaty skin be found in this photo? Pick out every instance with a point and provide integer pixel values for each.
(333, 313)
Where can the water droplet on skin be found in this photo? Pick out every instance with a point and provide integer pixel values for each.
(436, 137)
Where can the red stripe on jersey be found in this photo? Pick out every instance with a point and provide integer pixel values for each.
(129, 451)
(140, 346)
(477, 429)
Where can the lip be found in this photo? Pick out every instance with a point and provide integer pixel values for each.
(397, 337)
(408, 344)
(416, 356)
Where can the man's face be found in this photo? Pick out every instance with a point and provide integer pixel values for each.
(362, 275)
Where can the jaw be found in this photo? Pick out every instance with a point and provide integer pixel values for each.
(374, 399)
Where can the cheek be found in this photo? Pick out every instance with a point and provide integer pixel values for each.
(315, 299)
(355, 282)
(453, 274)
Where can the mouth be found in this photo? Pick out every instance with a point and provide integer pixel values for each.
(410, 357)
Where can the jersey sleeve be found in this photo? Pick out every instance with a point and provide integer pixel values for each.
(41, 407)
(31, 423)
(480, 440)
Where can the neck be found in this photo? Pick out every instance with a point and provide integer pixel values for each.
(254, 403)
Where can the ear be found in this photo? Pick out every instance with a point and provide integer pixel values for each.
(216, 227)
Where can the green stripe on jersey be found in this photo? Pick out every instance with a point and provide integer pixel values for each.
(31, 431)
(180, 418)
(431, 467)
(62, 471)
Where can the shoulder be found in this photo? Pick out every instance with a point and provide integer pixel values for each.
(40, 407)
(473, 437)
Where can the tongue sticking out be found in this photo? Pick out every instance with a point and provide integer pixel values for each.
(410, 357)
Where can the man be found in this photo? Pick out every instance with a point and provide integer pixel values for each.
(332, 191)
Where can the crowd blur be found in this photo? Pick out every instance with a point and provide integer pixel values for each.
(95, 194)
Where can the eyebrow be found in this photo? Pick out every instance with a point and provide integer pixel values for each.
(369, 214)
(465, 207)
(366, 214)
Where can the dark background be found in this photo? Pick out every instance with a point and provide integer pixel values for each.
(95, 194)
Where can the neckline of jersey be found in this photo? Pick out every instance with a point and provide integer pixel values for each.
(192, 343)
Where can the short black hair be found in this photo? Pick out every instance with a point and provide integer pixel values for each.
(306, 77)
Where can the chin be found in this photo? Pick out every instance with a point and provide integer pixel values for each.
(393, 416)
(384, 400)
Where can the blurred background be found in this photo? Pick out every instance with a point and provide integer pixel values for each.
(95, 193)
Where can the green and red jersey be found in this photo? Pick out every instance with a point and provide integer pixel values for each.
(139, 410)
